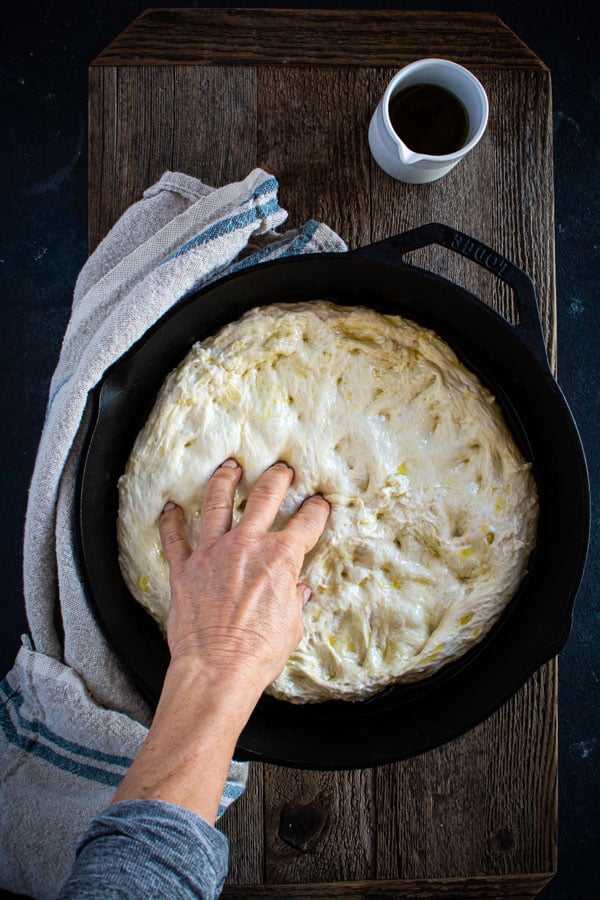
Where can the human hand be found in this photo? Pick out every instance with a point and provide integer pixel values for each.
(236, 605)
(236, 615)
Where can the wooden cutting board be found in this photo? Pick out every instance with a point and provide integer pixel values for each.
(215, 93)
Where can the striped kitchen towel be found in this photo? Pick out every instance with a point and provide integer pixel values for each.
(71, 721)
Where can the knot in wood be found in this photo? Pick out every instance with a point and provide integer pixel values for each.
(302, 824)
(504, 839)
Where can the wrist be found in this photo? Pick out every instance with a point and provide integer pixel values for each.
(230, 695)
(185, 757)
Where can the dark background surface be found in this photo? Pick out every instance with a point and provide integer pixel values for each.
(43, 180)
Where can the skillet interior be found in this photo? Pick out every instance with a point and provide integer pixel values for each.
(402, 720)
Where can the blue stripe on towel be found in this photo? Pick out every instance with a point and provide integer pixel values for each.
(47, 754)
(226, 226)
(292, 247)
(233, 790)
(305, 234)
(25, 734)
(269, 186)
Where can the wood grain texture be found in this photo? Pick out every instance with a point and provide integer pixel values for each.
(311, 135)
(245, 816)
(472, 806)
(144, 121)
(304, 37)
(343, 849)
(476, 817)
(516, 887)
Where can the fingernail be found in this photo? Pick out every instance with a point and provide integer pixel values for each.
(281, 464)
(306, 595)
(318, 497)
(230, 464)
(168, 506)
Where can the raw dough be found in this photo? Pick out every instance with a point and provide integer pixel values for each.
(433, 508)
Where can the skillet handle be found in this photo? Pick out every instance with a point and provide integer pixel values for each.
(391, 252)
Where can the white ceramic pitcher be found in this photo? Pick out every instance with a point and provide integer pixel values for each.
(392, 154)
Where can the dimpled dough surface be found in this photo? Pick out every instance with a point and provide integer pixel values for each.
(433, 508)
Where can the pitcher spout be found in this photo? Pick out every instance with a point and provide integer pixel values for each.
(407, 156)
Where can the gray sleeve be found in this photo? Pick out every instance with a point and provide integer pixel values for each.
(147, 848)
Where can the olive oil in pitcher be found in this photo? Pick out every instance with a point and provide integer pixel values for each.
(429, 119)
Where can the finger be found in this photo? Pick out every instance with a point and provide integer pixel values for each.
(304, 593)
(215, 518)
(266, 496)
(172, 535)
(307, 525)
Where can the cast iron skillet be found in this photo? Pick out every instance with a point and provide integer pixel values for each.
(403, 720)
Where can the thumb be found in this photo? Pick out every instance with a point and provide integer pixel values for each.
(172, 535)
